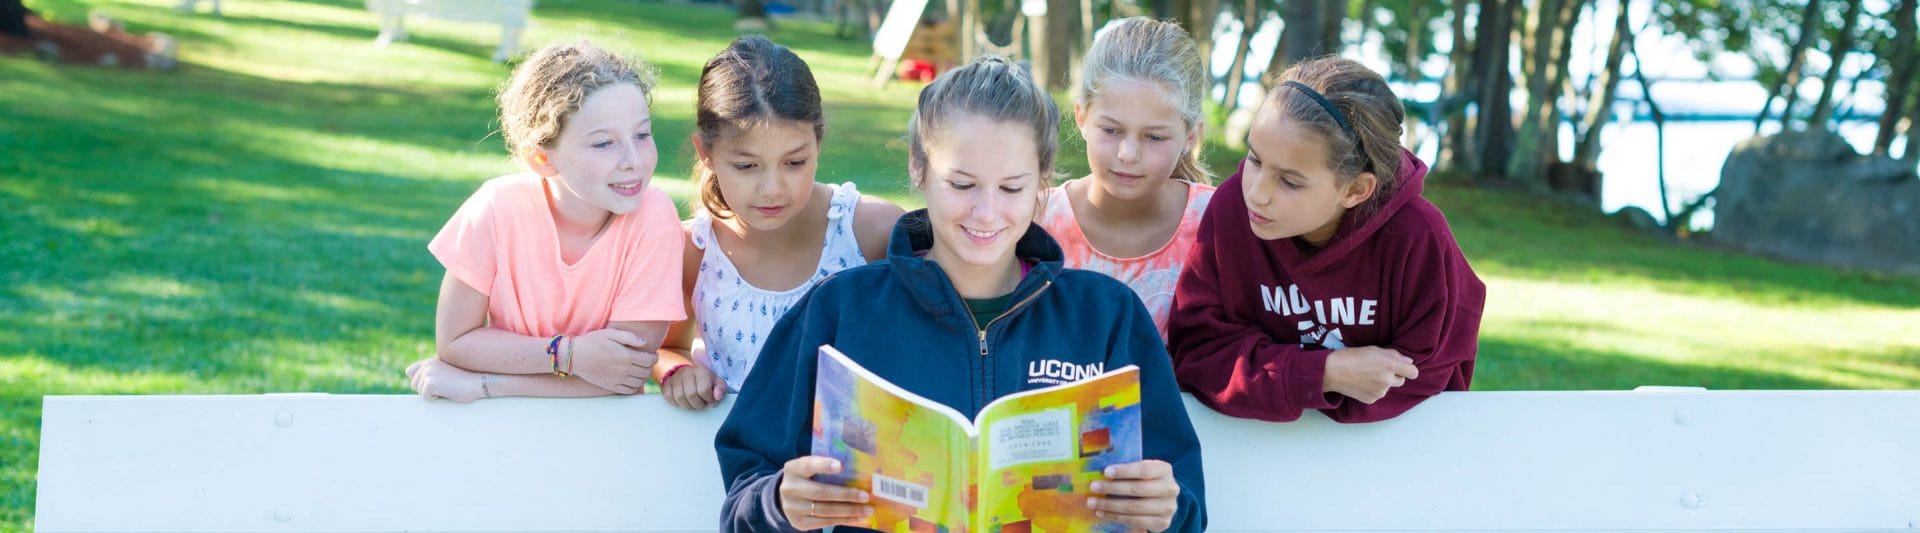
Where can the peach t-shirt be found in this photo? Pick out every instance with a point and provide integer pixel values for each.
(1151, 276)
(503, 242)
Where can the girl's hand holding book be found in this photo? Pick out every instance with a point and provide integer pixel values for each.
(1142, 495)
(810, 505)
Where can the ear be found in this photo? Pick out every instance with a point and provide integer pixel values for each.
(1194, 135)
(541, 161)
(915, 171)
(1361, 189)
(1079, 115)
(699, 148)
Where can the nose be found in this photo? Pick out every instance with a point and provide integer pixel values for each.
(983, 205)
(1129, 150)
(630, 156)
(1257, 189)
(768, 182)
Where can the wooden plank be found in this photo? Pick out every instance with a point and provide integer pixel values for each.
(1592, 461)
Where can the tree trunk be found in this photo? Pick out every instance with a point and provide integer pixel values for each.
(749, 9)
(1410, 132)
(1493, 133)
(1528, 161)
(1456, 151)
(1306, 35)
(1366, 21)
(1790, 77)
(969, 30)
(13, 18)
(1236, 71)
(1586, 153)
(1558, 84)
(1058, 44)
(1199, 17)
(1902, 62)
(1823, 109)
(1660, 134)
(1911, 155)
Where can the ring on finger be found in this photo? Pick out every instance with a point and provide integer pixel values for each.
(811, 506)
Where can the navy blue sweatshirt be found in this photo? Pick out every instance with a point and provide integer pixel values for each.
(902, 319)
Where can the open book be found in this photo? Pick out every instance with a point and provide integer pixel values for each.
(1022, 465)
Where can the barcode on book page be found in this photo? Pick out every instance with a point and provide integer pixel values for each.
(900, 491)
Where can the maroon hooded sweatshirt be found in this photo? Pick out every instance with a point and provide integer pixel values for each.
(1253, 321)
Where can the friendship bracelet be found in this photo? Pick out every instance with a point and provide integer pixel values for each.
(553, 351)
(670, 373)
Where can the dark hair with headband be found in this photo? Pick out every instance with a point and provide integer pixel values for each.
(1352, 109)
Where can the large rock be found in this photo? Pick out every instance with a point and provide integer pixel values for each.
(1809, 196)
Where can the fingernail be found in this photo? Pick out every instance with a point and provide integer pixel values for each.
(833, 464)
(1098, 487)
(1109, 471)
(1093, 503)
(862, 498)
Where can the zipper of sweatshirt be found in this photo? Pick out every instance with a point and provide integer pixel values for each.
(1003, 314)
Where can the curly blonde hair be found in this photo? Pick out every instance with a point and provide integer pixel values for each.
(549, 87)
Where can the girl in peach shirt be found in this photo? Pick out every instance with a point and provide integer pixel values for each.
(561, 281)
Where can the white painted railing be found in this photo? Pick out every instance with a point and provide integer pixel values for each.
(1596, 461)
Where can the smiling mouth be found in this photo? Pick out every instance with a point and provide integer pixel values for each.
(981, 235)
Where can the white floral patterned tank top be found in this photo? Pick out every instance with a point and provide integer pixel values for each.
(734, 315)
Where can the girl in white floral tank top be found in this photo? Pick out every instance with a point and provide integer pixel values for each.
(734, 315)
(751, 250)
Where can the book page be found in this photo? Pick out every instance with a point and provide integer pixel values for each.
(1040, 449)
(900, 448)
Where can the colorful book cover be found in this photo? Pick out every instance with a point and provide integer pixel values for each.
(1022, 465)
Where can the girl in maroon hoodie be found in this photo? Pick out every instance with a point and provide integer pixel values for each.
(1321, 279)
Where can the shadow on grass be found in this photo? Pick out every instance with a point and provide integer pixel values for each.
(1510, 364)
(1520, 234)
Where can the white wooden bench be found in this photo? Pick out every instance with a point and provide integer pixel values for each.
(1592, 461)
(511, 15)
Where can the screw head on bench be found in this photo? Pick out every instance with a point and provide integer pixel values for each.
(283, 515)
(283, 420)
(1683, 417)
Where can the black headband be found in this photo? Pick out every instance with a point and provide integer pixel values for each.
(1337, 117)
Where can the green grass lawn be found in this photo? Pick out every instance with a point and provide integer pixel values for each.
(257, 221)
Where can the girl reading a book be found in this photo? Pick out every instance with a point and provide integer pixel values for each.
(768, 231)
(1133, 216)
(1321, 279)
(560, 281)
(971, 304)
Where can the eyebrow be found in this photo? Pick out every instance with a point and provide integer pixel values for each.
(1110, 118)
(647, 122)
(797, 149)
(972, 175)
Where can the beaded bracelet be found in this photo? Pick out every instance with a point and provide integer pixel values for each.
(569, 358)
